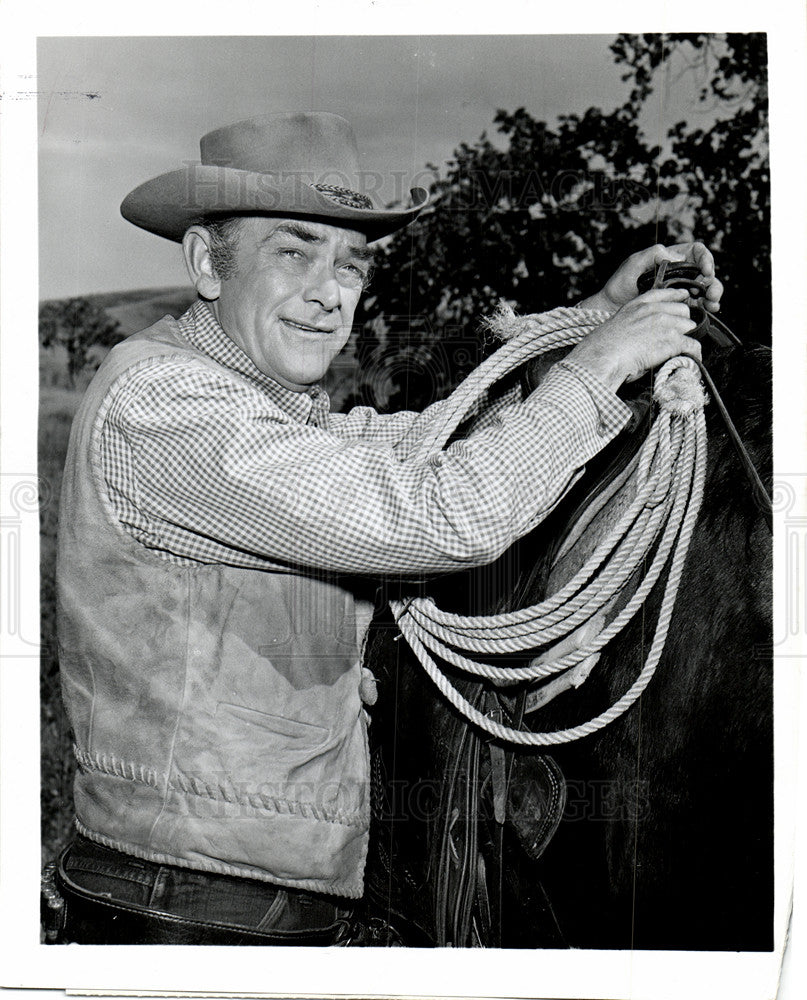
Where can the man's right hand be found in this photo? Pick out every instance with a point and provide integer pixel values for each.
(643, 334)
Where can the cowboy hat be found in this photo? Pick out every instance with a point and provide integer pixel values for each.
(304, 164)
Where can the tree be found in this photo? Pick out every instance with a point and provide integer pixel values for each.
(77, 325)
(543, 215)
(529, 223)
(721, 172)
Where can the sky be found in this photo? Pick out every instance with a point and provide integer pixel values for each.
(115, 111)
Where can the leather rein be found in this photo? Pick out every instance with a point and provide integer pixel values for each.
(688, 276)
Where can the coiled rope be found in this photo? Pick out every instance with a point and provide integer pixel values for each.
(657, 527)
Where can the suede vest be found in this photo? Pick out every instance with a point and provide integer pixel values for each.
(215, 710)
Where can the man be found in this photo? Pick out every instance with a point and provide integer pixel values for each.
(219, 528)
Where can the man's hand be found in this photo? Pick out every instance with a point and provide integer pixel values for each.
(647, 331)
(621, 287)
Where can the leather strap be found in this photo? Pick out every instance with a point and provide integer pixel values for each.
(688, 276)
(760, 493)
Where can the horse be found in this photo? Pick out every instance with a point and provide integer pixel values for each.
(654, 833)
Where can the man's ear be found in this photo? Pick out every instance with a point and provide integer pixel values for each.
(196, 248)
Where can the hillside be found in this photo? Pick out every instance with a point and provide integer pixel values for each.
(135, 314)
(140, 307)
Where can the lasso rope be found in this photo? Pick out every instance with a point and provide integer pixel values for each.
(658, 526)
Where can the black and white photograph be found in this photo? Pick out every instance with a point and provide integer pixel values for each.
(409, 562)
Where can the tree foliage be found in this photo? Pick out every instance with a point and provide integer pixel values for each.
(721, 173)
(542, 215)
(78, 326)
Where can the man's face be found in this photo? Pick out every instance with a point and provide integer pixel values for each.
(290, 303)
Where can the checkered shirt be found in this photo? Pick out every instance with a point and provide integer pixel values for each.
(209, 465)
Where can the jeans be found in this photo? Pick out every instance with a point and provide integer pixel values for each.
(113, 897)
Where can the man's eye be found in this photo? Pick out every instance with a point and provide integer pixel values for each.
(353, 271)
(291, 254)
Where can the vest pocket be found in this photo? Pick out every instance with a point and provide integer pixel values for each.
(272, 757)
(293, 729)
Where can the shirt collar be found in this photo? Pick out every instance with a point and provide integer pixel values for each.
(205, 332)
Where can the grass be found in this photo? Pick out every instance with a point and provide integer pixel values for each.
(57, 407)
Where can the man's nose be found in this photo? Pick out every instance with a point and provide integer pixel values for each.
(323, 288)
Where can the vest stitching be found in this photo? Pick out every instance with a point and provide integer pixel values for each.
(108, 764)
(342, 887)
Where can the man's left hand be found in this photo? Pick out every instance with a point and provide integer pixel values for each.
(621, 287)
